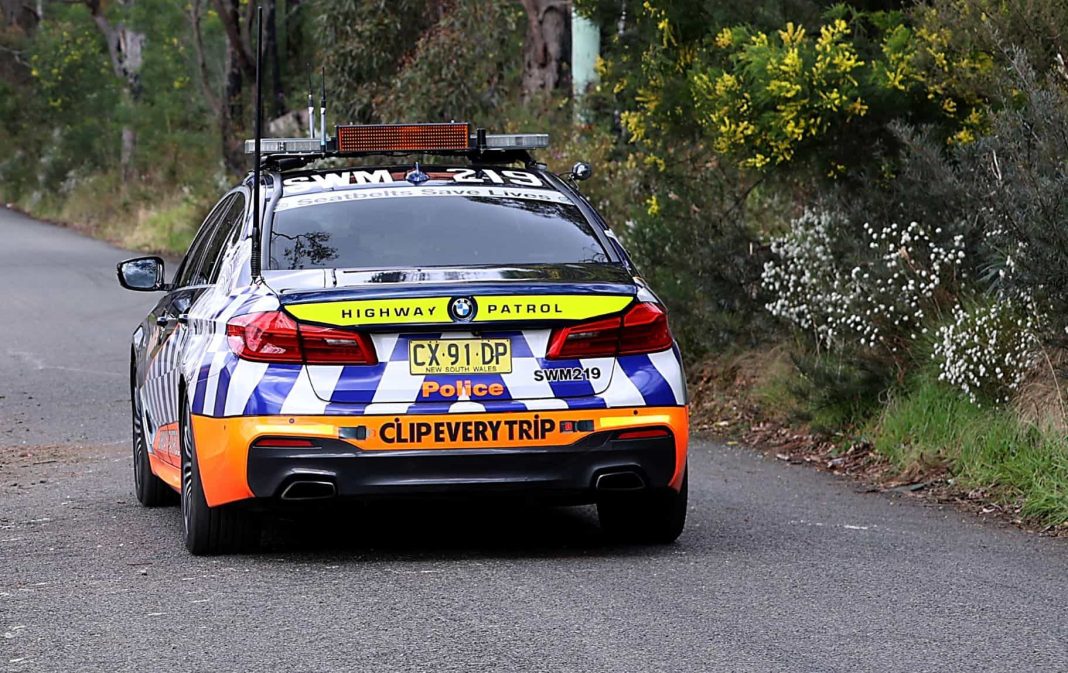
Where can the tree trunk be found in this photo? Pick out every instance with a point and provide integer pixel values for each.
(231, 21)
(125, 47)
(240, 68)
(270, 52)
(232, 113)
(196, 13)
(129, 145)
(20, 14)
(547, 46)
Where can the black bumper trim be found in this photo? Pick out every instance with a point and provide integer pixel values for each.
(566, 471)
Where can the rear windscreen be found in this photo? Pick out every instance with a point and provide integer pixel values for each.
(412, 227)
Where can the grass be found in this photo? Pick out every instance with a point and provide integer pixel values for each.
(773, 385)
(168, 226)
(828, 394)
(144, 217)
(985, 449)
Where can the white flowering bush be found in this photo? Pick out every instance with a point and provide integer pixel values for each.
(986, 351)
(877, 297)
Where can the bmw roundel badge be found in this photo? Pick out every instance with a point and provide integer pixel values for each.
(462, 309)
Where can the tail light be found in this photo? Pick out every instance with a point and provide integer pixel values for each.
(642, 329)
(275, 337)
(264, 337)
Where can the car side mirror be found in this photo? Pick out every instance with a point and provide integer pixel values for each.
(143, 274)
(581, 171)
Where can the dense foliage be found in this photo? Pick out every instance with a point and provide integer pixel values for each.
(384, 67)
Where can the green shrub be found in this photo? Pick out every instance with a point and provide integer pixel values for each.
(463, 68)
(985, 449)
(362, 46)
(837, 392)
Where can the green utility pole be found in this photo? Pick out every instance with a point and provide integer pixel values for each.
(585, 49)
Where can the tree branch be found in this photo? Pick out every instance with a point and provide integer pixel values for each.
(202, 61)
(231, 23)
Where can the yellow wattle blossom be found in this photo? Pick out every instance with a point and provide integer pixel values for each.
(634, 124)
(832, 32)
(725, 84)
(687, 55)
(846, 60)
(962, 137)
(757, 161)
(975, 118)
(832, 99)
(783, 88)
(792, 35)
(794, 130)
(895, 79)
(857, 108)
(725, 38)
(791, 62)
(766, 97)
(600, 66)
(656, 162)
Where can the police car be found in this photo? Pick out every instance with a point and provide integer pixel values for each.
(466, 329)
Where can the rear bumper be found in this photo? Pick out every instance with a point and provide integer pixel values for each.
(477, 461)
(566, 472)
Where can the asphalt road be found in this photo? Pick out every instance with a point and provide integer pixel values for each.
(780, 569)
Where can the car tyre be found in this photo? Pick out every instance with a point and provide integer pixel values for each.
(646, 517)
(210, 530)
(151, 490)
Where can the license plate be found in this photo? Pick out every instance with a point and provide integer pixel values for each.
(460, 356)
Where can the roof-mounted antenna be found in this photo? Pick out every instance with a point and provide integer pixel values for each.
(322, 114)
(256, 237)
(311, 106)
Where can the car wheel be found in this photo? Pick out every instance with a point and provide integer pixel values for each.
(649, 517)
(209, 530)
(151, 490)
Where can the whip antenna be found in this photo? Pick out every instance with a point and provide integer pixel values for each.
(257, 237)
(322, 114)
(311, 105)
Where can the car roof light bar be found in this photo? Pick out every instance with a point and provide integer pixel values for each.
(354, 140)
(403, 138)
(516, 141)
(291, 146)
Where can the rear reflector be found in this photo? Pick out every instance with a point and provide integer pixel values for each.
(576, 426)
(403, 138)
(643, 434)
(283, 443)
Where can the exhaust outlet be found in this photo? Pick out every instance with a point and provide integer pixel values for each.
(623, 480)
(309, 490)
